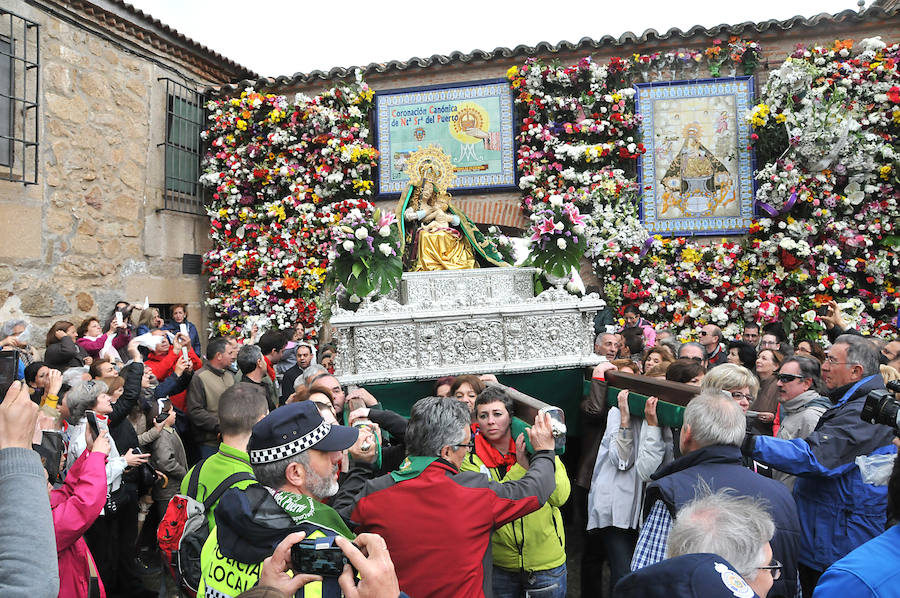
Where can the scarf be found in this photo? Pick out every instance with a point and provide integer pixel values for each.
(269, 369)
(304, 509)
(411, 468)
(489, 455)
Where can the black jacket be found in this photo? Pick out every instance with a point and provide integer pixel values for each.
(64, 355)
(719, 467)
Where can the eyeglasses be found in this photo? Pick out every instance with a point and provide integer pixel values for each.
(695, 358)
(703, 333)
(774, 569)
(785, 378)
(830, 360)
(740, 395)
(470, 446)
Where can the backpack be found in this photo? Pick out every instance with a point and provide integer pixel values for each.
(184, 529)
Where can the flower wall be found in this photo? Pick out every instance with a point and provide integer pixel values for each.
(825, 136)
(276, 168)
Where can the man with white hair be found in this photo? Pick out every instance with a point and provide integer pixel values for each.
(737, 528)
(711, 436)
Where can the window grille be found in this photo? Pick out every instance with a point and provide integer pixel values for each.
(185, 118)
(19, 74)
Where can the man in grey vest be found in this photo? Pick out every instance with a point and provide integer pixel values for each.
(204, 391)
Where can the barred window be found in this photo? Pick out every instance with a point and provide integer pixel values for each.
(185, 117)
(19, 66)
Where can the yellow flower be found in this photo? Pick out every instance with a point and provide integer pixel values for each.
(760, 115)
(885, 172)
(241, 125)
(690, 255)
(512, 72)
(790, 220)
(780, 118)
(616, 97)
(896, 116)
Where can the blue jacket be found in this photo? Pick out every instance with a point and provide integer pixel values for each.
(870, 571)
(174, 327)
(719, 466)
(838, 512)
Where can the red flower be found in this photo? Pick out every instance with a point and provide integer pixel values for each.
(893, 94)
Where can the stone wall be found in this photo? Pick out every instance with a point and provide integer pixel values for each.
(92, 231)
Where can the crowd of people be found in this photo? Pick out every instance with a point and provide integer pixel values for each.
(759, 491)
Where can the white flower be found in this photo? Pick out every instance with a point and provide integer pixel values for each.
(809, 316)
(385, 249)
(361, 233)
(556, 200)
(561, 243)
(355, 298)
(348, 245)
(385, 231)
(559, 226)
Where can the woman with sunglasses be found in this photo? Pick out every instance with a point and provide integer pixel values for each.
(802, 404)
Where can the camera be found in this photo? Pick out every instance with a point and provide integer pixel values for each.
(318, 557)
(881, 407)
(557, 425)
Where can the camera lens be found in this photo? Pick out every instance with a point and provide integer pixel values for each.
(880, 408)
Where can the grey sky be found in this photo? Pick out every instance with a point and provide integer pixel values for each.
(281, 37)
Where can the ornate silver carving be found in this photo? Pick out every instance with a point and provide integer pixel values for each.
(467, 287)
(466, 321)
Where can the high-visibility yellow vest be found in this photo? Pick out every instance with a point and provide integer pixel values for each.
(226, 578)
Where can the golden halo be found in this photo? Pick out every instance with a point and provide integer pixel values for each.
(433, 163)
(692, 130)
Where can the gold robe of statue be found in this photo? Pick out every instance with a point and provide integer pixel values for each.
(439, 245)
(445, 239)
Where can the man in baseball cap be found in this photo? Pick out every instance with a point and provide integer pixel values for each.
(295, 456)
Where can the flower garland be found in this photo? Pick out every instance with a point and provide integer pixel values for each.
(825, 134)
(274, 166)
(827, 128)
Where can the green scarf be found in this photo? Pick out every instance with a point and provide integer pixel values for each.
(305, 510)
(411, 468)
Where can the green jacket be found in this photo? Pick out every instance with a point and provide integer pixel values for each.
(537, 541)
(220, 465)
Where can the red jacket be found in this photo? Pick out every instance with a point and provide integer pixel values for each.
(75, 508)
(438, 525)
(163, 365)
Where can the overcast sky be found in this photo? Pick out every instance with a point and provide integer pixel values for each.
(282, 37)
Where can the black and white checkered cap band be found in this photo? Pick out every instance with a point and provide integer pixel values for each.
(289, 449)
(214, 593)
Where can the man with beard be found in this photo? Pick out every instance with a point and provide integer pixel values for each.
(296, 457)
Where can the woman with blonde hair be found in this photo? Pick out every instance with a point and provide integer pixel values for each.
(736, 380)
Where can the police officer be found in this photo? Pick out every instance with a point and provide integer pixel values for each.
(296, 459)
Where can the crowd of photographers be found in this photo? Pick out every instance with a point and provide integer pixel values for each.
(251, 471)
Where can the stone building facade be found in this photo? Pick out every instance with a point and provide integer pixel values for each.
(94, 218)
